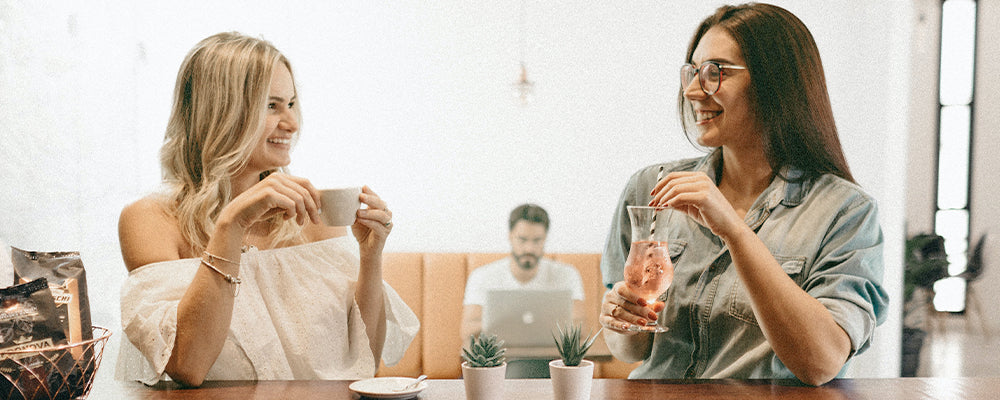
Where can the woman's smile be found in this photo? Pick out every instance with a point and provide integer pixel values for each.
(705, 116)
(281, 143)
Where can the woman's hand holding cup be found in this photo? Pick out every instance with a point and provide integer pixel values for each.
(373, 223)
(290, 196)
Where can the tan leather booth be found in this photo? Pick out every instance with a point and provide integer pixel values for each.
(433, 285)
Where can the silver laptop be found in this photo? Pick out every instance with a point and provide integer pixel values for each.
(527, 318)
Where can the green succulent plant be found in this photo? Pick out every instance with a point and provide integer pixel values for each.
(484, 351)
(572, 345)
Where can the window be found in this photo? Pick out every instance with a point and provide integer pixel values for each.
(951, 220)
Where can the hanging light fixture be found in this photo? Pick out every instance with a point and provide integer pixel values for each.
(524, 89)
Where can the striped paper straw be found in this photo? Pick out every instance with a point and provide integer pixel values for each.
(652, 225)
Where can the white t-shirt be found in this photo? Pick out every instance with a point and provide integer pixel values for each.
(497, 276)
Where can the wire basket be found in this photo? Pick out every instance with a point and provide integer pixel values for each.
(58, 372)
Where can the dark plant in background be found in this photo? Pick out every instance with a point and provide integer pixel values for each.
(926, 263)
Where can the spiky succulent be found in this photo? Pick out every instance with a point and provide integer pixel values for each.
(484, 351)
(572, 345)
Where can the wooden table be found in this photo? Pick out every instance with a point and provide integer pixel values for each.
(451, 389)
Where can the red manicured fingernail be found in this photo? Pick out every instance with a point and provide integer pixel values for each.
(652, 316)
(641, 322)
(641, 302)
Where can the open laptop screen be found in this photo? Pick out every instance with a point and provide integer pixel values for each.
(526, 318)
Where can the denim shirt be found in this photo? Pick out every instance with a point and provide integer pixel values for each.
(823, 232)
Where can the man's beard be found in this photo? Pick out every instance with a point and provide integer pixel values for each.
(527, 261)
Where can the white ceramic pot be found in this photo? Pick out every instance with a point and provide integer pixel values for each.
(484, 383)
(571, 383)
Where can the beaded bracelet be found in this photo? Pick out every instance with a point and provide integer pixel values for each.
(212, 257)
(234, 281)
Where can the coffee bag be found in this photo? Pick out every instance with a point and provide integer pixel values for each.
(67, 281)
(28, 321)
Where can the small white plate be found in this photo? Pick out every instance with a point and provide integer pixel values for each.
(385, 388)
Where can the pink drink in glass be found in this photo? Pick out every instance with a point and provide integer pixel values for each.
(648, 270)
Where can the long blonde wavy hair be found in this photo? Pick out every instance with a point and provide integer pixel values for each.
(216, 122)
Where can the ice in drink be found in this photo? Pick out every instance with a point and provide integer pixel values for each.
(648, 270)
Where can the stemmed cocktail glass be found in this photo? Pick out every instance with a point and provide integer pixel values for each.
(648, 270)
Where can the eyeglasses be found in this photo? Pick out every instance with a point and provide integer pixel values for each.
(709, 75)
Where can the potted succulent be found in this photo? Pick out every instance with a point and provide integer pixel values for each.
(571, 374)
(484, 367)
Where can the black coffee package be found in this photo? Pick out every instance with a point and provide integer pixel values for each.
(67, 282)
(28, 320)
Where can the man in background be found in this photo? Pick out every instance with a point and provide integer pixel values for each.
(524, 269)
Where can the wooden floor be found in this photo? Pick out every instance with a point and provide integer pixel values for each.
(960, 346)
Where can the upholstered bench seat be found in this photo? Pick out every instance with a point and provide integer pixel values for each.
(433, 285)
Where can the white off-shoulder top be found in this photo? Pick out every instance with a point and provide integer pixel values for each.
(294, 318)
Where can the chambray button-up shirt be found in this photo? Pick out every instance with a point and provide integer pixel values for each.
(825, 235)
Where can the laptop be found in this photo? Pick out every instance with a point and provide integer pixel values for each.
(527, 318)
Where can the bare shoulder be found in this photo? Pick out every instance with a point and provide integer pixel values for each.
(148, 233)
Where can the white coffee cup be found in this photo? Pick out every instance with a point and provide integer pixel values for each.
(340, 206)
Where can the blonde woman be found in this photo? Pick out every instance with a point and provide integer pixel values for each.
(231, 273)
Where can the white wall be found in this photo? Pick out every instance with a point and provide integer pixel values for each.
(986, 145)
(413, 99)
(923, 117)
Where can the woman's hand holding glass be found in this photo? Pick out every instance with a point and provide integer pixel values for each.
(621, 309)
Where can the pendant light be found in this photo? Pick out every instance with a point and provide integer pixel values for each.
(524, 89)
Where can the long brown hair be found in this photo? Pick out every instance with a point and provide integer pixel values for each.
(787, 92)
